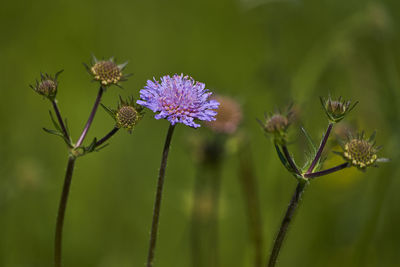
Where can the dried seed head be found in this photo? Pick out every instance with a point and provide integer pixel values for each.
(107, 72)
(127, 115)
(47, 86)
(228, 117)
(336, 110)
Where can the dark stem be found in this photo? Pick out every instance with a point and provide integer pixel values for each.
(91, 117)
(285, 223)
(327, 171)
(59, 118)
(157, 204)
(290, 160)
(107, 136)
(320, 149)
(61, 211)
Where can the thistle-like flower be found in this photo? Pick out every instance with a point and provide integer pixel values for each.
(47, 86)
(228, 117)
(361, 152)
(179, 99)
(107, 72)
(277, 124)
(336, 110)
(127, 115)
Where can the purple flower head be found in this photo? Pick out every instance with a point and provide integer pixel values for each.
(179, 99)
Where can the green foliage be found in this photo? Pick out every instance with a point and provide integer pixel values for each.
(262, 52)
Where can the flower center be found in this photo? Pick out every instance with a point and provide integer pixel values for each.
(107, 72)
(360, 152)
(126, 116)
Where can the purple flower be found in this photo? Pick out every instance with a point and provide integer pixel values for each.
(179, 99)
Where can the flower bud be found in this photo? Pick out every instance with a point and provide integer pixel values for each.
(277, 124)
(47, 86)
(336, 110)
(127, 115)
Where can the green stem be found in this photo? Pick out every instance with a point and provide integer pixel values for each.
(249, 185)
(285, 223)
(157, 203)
(61, 211)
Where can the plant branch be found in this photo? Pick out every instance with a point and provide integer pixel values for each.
(320, 149)
(59, 118)
(91, 117)
(327, 171)
(290, 160)
(107, 136)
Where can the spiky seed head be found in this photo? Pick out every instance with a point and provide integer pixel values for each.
(107, 72)
(337, 109)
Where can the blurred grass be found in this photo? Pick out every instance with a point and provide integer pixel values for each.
(264, 53)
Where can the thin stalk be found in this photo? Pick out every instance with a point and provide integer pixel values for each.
(107, 136)
(61, 211)
(290, 160)
(320, 149)
(249, 185)
(91, 117)
(327, 171)
(59, 118)
(204, 217)
(157, 203)
(285, 223)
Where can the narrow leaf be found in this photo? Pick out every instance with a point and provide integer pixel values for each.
(55, 123)
(310, 141)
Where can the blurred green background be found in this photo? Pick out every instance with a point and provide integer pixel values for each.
(263, 53)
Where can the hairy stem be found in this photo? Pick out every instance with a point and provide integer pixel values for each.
(59, 118)
(91, 117)
(107, 136)
(157, 203)
(285, 223)
(320, 149)
(327, 171)
(61, 211)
